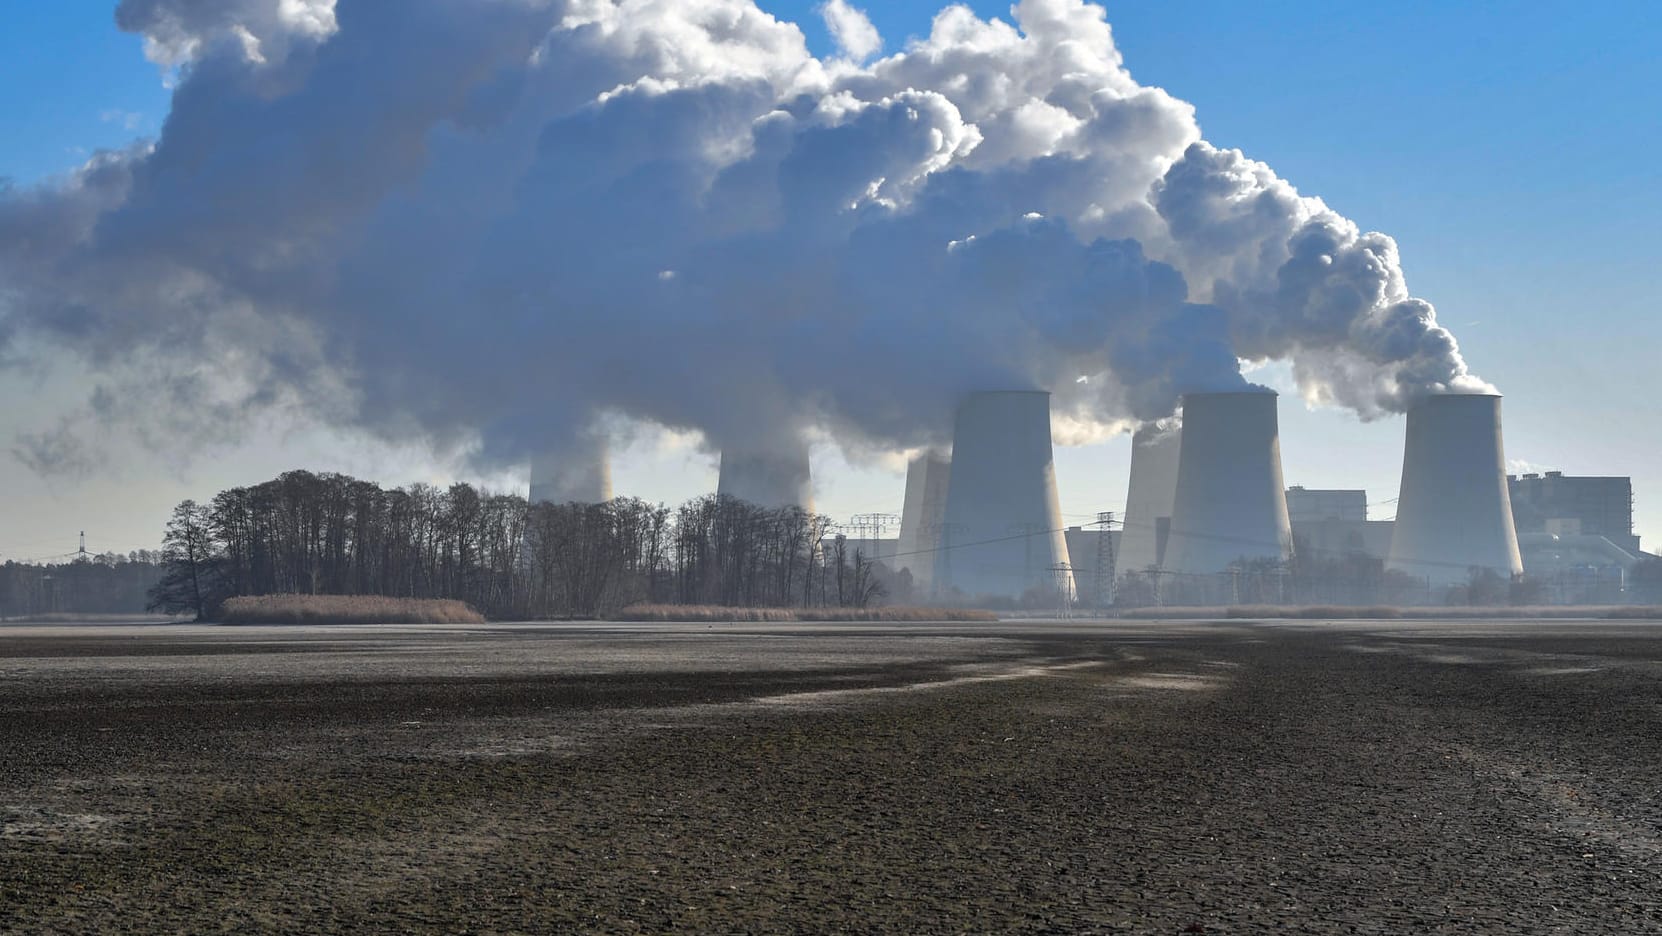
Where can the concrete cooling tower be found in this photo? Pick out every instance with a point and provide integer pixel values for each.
(768, 479)
(1148, 503)
(1003, 530)
(1454, 513)
(584, 478)
(921, 518)
(1230, 502)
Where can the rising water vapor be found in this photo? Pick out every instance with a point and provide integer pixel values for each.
(490, 225)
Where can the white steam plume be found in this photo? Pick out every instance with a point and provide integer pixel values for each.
(489, 223)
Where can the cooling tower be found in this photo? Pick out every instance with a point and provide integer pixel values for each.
(1148, 503)
(585, 478)
(1230, 502)
(1003, 530)
(768, 479)
(1454, 513)
(922, 517)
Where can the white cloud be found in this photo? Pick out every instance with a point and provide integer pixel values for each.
(450, 223)
(851, 29)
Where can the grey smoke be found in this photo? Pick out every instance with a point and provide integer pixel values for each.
(492, 224)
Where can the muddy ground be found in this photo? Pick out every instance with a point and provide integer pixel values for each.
(1152, 777)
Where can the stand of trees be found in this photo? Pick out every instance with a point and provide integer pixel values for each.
(108, 583)
(306, 533)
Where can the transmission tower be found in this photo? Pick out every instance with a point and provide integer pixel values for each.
(1105, 562)
(871, 528)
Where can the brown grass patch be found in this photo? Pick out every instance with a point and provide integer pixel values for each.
(713, 613)
(345, 609)
(1384, 612)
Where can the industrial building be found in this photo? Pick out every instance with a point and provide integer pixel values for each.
(1334, 524)
(1207, 518)
(1570, 506)
(1306, 506)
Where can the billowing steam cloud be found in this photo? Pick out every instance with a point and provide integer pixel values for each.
(489, 223)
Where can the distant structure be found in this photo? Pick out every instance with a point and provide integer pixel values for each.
(1308, 506)
(1148, 503)
(922, 517)
(1561, 505)
(1086, 546)
(1335, 525)
(1454, 513)
(563, 478)
(770, 479)
(1003, 532)
(1231, 504)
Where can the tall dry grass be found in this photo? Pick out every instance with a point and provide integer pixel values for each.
(1382, 612)
(649, 613)
(345, 609)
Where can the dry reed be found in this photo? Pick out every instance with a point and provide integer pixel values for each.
(345, 609)
(1382, 612)
(712, 613)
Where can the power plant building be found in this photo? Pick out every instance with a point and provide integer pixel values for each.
(1335, 525)
(1574, 506)
(1310, 506)
(1003, 533)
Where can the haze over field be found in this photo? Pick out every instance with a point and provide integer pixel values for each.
(486, 229)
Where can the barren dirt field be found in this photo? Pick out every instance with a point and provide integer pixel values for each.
(1140, 777)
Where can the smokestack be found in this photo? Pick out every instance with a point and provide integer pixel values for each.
(768, 479)
(1003, 531)
(1454, 513)
(566, 478)
(1148, 503)
(1230, 503)
(922, 517)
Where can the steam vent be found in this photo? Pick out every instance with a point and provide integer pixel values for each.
(1231, 503)
(1003, 531)
(922, 517)
(1454, 513)
(768, 479)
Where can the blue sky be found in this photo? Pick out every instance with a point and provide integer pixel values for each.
(1509, 147)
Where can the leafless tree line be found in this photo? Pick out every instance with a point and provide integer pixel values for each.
(306, 533)
(106, 583)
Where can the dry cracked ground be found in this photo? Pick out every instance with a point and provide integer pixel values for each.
(1040, 777)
